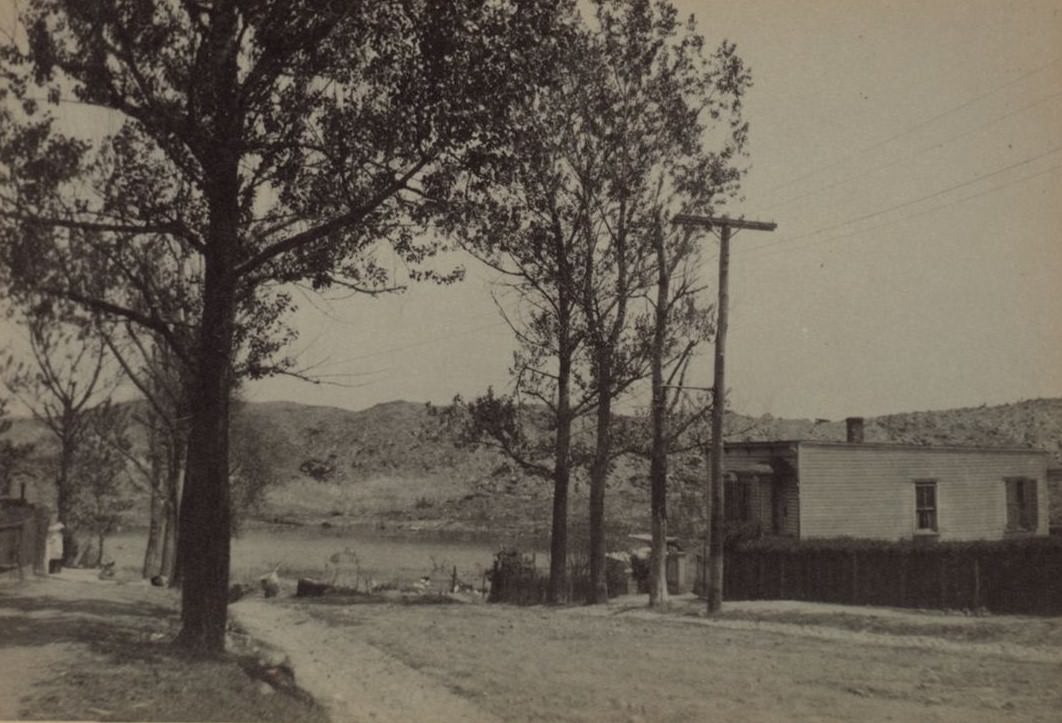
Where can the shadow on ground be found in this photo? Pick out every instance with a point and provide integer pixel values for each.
(107, 627)
(110, 657)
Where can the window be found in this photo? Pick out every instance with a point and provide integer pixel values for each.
(737, 500)
(926, 506)
(1022, 512)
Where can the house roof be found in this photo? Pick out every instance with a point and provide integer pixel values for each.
(796, 443)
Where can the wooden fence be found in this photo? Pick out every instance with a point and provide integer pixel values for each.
(1007, 577)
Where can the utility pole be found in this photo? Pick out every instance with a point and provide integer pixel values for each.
(714, 575)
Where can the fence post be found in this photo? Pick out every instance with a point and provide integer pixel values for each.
(903, 578)
(855, 577)
(977, 583)
(760, 576)
(943, 571)
(781, 576)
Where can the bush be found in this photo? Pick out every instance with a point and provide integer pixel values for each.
(617, 573)
(514, 578)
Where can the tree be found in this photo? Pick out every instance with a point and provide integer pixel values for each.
(251, 466)
(575, 219)
(159, 375)
(12, 454)
(65, 380)
(278, 142)
(661, 106)
(522, 221)
(103, 494)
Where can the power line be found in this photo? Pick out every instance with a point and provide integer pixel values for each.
(917, 126)
(905, 204)
(926, 149)
(917, 214)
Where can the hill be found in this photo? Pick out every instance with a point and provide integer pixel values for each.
(1035, 423)
(390, 465)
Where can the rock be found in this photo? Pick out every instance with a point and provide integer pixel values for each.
(237, 591)
(265, 688)
(270, 584)
(273, 659)
(308, 587)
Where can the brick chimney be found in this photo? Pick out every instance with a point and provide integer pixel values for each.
(855, 429)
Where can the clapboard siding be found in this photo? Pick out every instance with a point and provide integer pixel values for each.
(868, 490)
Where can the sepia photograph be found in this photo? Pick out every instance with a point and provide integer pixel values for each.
(471, 361)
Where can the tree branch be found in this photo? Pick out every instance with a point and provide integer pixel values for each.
(337, 223)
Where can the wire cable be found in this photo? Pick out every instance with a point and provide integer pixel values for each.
(917, 126)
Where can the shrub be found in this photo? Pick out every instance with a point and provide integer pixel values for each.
(515, 579)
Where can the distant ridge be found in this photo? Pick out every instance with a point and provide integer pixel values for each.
(389, 462)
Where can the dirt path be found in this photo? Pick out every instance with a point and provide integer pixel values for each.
(394, 661)
(353, 680)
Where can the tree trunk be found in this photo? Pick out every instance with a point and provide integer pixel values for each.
(203, 542)
(205, 517)
(178, 448)
(558, 561)
(658, 453)
(64, 498)
(156, 528)
(598, 477)
(156, 524)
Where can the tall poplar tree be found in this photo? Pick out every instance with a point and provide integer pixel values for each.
(277, 140)
(666, 129)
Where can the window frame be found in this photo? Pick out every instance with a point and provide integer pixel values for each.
(1028, 505)
(931, 509)
(737, 499)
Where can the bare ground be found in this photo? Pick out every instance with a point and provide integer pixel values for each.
(759, 662)
(73, 647)
(82, 649)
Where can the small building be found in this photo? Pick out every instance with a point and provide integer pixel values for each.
(816, 489)
(22, 536)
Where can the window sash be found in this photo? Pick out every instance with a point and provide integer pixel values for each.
(1022, 507)
(926, 505)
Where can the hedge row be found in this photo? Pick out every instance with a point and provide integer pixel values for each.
(1010, 576)
(515, 578)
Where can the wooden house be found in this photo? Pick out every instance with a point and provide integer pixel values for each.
(815, 489)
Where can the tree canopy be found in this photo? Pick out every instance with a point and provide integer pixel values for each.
(261, 143)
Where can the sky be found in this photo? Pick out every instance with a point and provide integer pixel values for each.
(910, 152)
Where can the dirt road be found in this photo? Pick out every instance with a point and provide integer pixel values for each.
(352, 679)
